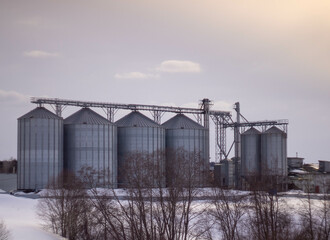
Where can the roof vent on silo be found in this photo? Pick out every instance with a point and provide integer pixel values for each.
(86, 116)
(136, 119)
(180, 121)
(40, 112)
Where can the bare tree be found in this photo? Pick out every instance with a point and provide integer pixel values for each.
(315, 219)
(186, 172)
(64, 208)
(324, 227)
(131, 217)
(228, 211)
(267, 215)
(4, 232)
(149, 210)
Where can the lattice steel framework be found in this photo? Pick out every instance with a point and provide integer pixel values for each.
(220, 136)
(155, 109)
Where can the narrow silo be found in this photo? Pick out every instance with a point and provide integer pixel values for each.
(182, 133)
(90, 141)
(141, 142)
(224, 173)
(274, 152)
(250, 153)
(39, 149)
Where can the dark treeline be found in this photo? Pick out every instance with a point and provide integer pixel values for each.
(76, 208)
(8, 166)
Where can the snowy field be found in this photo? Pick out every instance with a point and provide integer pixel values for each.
(19, 212)
(19, 215)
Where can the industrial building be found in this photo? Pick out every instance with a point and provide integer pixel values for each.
(295, 162)
(312, 178)
(251, 153)
(47, 145)
(324, 166)
(90, 141)
(39, 149)
(184, 134)
(224, 173)
(274, 152)
(139, 135)
(264, 155)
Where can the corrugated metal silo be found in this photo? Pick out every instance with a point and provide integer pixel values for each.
(250, 153)
(139, 135)
(274, 152)
(224, 173)
(186, 134)
(40, 148)
(90, 140)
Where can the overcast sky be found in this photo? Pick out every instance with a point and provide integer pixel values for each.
(271, 56)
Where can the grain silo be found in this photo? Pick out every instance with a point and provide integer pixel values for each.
(224, 173)
(274, 152)
(184, 134)
(40, 149)
(90, 141)
(250, 153)
(141, 145)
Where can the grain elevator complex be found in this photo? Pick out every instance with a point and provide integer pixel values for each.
(49, 144)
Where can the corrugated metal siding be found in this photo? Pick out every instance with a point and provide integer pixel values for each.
(250, 155)
(274, 152)
(91, 141)
(138, 134)
(183, 133)
(40, 149)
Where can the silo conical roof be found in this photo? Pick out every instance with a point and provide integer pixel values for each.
(180, 121)
(274, 130)
(251, 131)
(40, 112)
(86, 116)
(136, 119)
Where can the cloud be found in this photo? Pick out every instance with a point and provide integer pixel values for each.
(215, 105)
(40, 54)
(174, 66)
(135, 75)
(222, 106)
(12, 96)
(171, 66)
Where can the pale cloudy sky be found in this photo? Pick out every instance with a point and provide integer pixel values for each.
(271, 56)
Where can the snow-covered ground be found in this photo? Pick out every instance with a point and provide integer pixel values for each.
(19, 215)
(19, 212)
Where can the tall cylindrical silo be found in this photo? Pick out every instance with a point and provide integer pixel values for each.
(182, 133)
(250, 153)
(274, 152)
(90, 141)
(140, 141)
(39, 149)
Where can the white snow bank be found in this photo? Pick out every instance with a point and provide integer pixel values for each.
(298, 171)
(19, 215)
(299, 192)
(2, 191)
